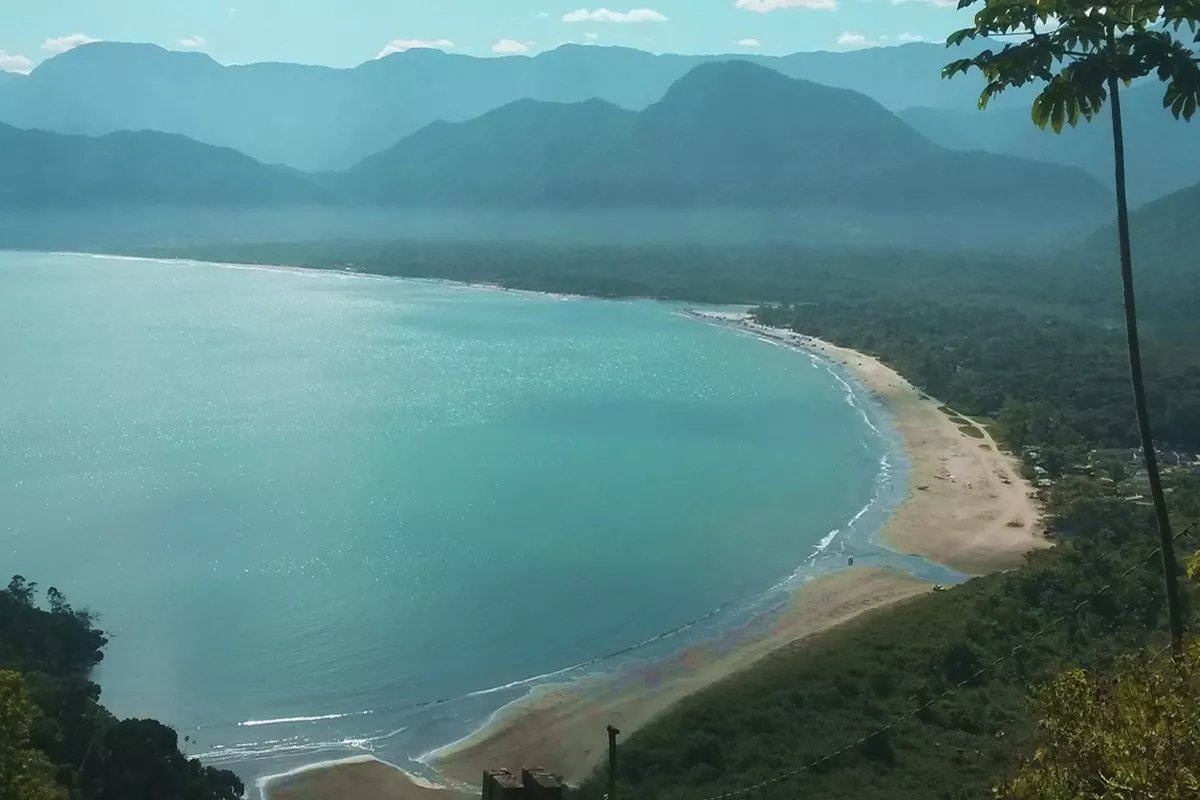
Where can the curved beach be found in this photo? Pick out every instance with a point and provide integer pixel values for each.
(967, 507)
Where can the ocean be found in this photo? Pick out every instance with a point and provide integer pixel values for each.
(325, 514)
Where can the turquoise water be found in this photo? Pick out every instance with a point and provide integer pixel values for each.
(308, 505)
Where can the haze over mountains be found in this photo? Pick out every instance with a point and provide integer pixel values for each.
(875, 140)
(729, 134)
(39, 169)
(317, 118)
(726, 134)
(1162, 153)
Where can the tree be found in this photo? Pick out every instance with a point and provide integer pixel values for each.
(1133, 735)
(141, 758)
(21, 590)
(25, 773)
(1090, 50)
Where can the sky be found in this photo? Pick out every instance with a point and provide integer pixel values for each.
(344, 33)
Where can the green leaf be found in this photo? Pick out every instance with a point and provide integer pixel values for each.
(1056, 116)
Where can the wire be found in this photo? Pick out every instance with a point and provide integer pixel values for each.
(946, 693)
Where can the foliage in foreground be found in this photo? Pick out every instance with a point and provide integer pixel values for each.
(1135, 733)
(57, 737)
(25, 772)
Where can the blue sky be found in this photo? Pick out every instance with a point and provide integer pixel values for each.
(347, 32)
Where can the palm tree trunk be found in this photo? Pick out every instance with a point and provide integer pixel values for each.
(1170, 566)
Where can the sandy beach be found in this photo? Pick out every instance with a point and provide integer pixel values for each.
(967, 507)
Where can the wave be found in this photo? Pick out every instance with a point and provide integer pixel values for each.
(292, 746)
(254, 723)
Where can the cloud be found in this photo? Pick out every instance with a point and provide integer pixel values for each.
(192, 41)
(591, 36)
(748, 43)
(604, 15)
(910, 37)
(542, 15)
(763, 6)
(400, 45)
(938, 3)
(11, 62)
(510, 46)
(852, 39)
(61, 44)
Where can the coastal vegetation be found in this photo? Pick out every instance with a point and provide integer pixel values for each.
(1097, 49)
(1030, 683)
(56, 739)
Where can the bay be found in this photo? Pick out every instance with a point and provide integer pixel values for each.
(323, 513)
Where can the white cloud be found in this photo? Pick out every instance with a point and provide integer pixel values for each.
(11, 62)
(400, 45)
(192, 41)
(542, 15)
(604, 15)
(910, 37)
(852, 39)
(763, 6)
(592, 36)
(510, 46)
(61, 44)
(938, 3)
(748, 43)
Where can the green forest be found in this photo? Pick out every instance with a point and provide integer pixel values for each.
(56, 739)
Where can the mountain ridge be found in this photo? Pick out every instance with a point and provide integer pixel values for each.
(727, 134)
(322, 118)
(40, 169)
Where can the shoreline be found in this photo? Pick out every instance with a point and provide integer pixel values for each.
(966, 506)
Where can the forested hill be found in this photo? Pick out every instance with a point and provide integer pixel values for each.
(323, 119)
(55, 733)
(1160, 150)
(49, 170)
(727, 134)
(1164, 232)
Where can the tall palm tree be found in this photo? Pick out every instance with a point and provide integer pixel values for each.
(1083, 51)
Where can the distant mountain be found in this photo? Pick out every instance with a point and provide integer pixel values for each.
(726, 134)
(1162, 153)
(316, 118)
(1163, 233)
(50, 170)
(527, 153)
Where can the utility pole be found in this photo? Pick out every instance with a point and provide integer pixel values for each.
(612, 762)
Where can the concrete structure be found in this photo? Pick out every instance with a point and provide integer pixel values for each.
(500, 784)
(533, 784)
(541, 785)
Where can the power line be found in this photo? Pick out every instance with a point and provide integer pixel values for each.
(946, 693)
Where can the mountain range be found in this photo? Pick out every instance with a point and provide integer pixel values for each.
(1162, 153)
(144, 168)
(320, 119)
(728, 134)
